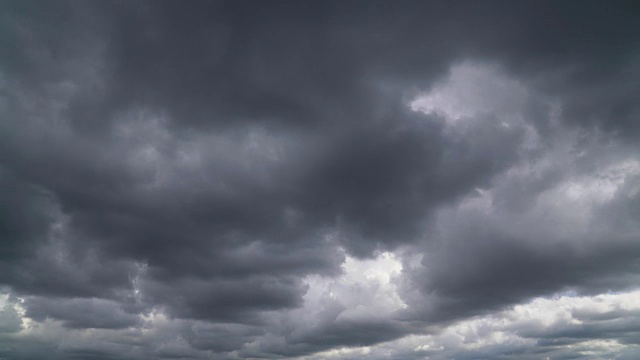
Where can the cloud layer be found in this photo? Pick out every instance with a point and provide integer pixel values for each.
(319, 180)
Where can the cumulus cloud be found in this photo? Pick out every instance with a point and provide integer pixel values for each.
(319, 180)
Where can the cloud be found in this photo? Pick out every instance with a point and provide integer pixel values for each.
(298, 179)
(80, 313)
(9, 317)
(539, 328)
(539, 226)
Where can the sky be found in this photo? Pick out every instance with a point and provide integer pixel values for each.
(319, 180)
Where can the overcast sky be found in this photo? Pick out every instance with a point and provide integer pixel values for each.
(319, 180)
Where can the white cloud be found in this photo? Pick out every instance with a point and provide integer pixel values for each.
(516, 329)
(471, 90)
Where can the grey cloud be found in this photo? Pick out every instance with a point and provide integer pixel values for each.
(10, 321)
(497, 272)
(621, 326)
(224, 299)
(204, 159)
(27, 213)
(353, 333)
(479, 268)
(81, 313)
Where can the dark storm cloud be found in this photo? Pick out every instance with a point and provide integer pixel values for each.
(538, 229)
(81, 313)
(495, 271)
(226, 299)
(357, 333)
(202, 159)
(26, 214)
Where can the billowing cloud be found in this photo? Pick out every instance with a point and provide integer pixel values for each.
(319, 180)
